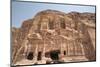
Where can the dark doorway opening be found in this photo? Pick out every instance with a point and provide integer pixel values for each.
(64, 52)
(30, 56)
(39, 56)
(54, 55)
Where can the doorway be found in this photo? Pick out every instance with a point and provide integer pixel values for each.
(30, 56)
(39, 56)
(64, 52)
(54, 55)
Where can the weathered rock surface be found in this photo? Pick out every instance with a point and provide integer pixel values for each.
(53, 32)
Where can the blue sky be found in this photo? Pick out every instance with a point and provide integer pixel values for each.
(26, 10)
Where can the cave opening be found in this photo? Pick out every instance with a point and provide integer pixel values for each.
(30, 56)
(39, 55)
(54, 55)
(64, 52)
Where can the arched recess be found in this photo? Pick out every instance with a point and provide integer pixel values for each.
(30, 56)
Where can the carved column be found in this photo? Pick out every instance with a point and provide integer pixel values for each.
(44, 38)
(61, 48)
(36, 53)
(43, 54)
(25, 49)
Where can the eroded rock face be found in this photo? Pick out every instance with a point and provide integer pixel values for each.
(53, 32)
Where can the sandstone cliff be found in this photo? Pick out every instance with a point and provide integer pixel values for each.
(55, 28)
